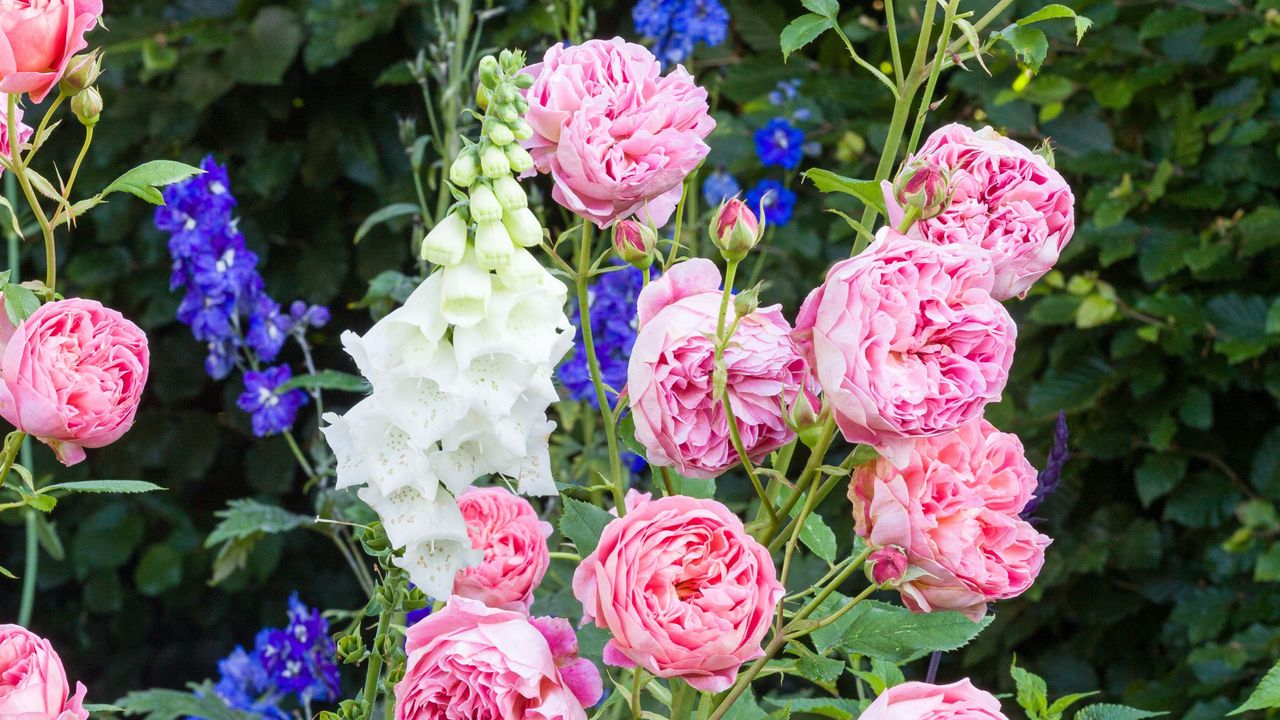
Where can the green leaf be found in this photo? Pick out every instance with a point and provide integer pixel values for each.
(1060, 705)
(175, 704)
(828, 8)
(834, 708)
(262, 54)
(43, 503)
(19, 303)
(893, 633)
(383, 214)
(868, 191)
(583, 523)
(1032, 692)
(802, 31)
(47, 534)
(745, 708)
(159, 570)
(246, 517)
(143, 180)
(102, 708)
(819, 669)
(1029, 44)
(1265, 696)
(104, 486)
(5, 572)
(326, 380)
(1159, 474)
(1104, 711)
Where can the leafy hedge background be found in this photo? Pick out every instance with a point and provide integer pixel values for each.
(1158, 337)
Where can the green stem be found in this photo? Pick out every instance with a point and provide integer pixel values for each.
(75, 169)
(29, 571)
(816, 456)
(374, 672)
(298, 454)
(891, 18)
(44, 122)
(19, 172)
(948, 21)
(581, 278)
(675, 238)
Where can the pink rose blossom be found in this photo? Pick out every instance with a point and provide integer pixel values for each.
(72, 374)
(954, 508)
(678, 419)
(617, 137)
(33, 683)
(922, 701)
(906, 340)
(24, 131)
(38, 39)
(682, 587)
(481, 663)
(514, 541)
(1005, 199)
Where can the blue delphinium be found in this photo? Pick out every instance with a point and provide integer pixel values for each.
(780, 144)
(1048, 479)
(675, 26)
(778, 202)
(225, 301)
(718, 187)
(613, 327)
(270, 411)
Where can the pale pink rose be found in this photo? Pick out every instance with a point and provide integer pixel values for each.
(1005, 199)
(514, 541)
(683, 589)
(38, 38)
(954, 509)
(678, 419)
(906, 340)
(481, 663)
(33, 683)
(922, 701)
(617, 137)
(24, 131)
(71, 375)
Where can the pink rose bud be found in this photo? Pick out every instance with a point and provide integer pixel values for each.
(886, 565)
(735, 229)
(82, 72)
(923, 185)
(806, 417)
(40, 40)
(635, 243)
(87, 107)
(33, 683)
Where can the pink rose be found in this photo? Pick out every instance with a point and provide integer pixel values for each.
(33, 684)
(514, 541)
(954, 507)
(617, 137)
(24, 131)
(1005, 199)
(473, 661)
(922, 701)
(906, 340)
(38, 38)
(678, 419)
(682, 587)
(72, 374)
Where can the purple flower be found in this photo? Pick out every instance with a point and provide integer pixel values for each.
(776, 200)
(613, 328)
(676, 26)
(272, 412)
(1050, 477)
(718, 187)
(304, 315)
(779, 143)
(268, 329)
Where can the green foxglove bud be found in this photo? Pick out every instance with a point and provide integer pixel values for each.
(524, 81)
(447, 241)
(521, 129)
(522, 272)
(464, 169)
(506, 113)
(510, 195)
(734, 229)
(635, 243)
(494, 249)
(482, 97)
(523, 227)
(484, 204)
(506, 93)
(494, 163)
(500, 134)
(518, 159)
(87, 107)
(466, 291)
(490, 73)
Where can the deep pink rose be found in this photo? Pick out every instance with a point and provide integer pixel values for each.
(682, 587)
(38, 38)
(71, 375)
(1005, 199)
(906, 340)
(616, 135)
(481, 663)
(514, 541)
(954, 509)
(33, 683)
(922, 701)
(669, 378)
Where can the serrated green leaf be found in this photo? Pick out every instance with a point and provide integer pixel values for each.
(834, 708)
(893, 633)
(1032, 692)
(1103, 711)
(47, 534)
(1029, 45)
(583, 523)
(802, 31)
(143, 180)
(174, 704)
(326, 380)
(246, 517)
(103, 486)
(1059, 706)
(19, 303)
(1266, 695)
(868, 191)
(828, 8)
(381, 215)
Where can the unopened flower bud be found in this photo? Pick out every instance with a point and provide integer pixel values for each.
(523, 227)
(484, 204)
(506, 113)
(87, 106)
(482, 97)
(524, 81)
(522, 272)
(350, 649)
(466, 291)
(518, 159)
(494, 163)
(506, 93)
(506, 57)
(500, 134)
(735, 229)
(464, 169)
(489, 71)
(805, 418)
(886, 565)
(923, 185)
(374, 539)
(521, 129)
(746, 302)
(407, 130)
(635, 243)
(82, 72)
(510, 195)
(447, 241)
(493, 245)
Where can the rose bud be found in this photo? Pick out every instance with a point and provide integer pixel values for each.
(735, 229)
(87, 107)
(806, 418)
(447, 241)
(886, 565)
(635, 243)
(923, 185)
(82, 72)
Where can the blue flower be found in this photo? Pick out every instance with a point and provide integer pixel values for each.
(718, 187)
(1048, 479)
(779, 143)
(272, 412)
(613, 326)
(778, 201)
(244, 686)
(784, 92)
(676, 26)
